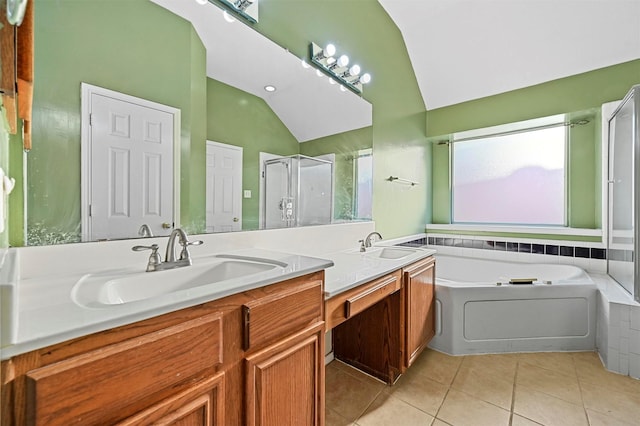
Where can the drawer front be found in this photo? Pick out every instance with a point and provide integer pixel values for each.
(350, 303)
(269, 318)
(93, 388)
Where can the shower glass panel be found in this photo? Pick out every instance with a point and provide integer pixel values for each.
(298, 192)
(624, 149)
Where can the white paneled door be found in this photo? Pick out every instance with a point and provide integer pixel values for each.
(224, 187)
(131, 168)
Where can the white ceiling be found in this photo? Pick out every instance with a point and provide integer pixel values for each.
(241, 57)
(468, 49)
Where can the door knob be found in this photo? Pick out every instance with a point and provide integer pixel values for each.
(235, 219)
(166, 225)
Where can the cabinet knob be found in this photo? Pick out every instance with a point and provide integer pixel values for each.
(235, 219)
(166, 225)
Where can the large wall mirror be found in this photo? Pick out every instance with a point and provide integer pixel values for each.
(212, 69)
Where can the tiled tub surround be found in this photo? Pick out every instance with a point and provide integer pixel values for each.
(588, 256)
(476, 315)
(618, 315)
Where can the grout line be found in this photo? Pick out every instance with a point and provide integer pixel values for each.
(513, 392)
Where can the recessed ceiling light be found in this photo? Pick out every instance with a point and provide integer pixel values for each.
(270, 88)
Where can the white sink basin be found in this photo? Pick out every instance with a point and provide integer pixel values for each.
(381, 252)
(119, 287)
(389, 252)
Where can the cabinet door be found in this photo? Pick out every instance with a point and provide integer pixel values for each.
(285, 381)
(200, 405)
(419, 280)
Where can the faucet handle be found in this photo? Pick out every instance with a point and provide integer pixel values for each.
(363, 248)
(154, 257)
(184, 253)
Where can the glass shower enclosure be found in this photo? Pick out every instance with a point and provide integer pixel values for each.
(624, 206)
(298, 191)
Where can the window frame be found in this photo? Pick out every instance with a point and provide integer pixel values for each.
(505, 130)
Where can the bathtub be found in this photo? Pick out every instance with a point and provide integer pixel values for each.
(479, 311)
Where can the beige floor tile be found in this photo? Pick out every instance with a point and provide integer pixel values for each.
(561, 362)
(334, 419)
(438, 422)
(547, 409)
(419, 391)
(347, 395)
(437, 366)
(623, 406)
(501, 365)
(590, 371)
(551, 382)
(460, 409)
(485, 385)
(388, 410)
(352, 371)
(599, 419)
(522, 421)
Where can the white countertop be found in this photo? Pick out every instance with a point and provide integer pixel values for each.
(47, 313)
(352, 268)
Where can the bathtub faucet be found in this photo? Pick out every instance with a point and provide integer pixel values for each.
(366, 243)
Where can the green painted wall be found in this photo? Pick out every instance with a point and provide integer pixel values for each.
(239, 118)
(580, 96)
(4, 164)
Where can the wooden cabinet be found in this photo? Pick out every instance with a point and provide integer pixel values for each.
(382, 326)
(419, 293)
(226, 362)
(285, 381)
(200, 405)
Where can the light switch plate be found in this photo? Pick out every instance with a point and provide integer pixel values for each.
(247, 193)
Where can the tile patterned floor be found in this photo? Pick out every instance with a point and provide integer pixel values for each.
(557, 388)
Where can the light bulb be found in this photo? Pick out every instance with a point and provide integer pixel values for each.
(343, 61)
(354, 70)
(331, 60)
(365, 78)
(329, 50)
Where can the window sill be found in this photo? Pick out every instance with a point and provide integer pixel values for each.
(542, 230)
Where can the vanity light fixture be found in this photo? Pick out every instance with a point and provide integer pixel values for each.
(338, 69)
(244, 8)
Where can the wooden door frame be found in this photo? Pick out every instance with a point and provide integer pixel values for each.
(87, 90)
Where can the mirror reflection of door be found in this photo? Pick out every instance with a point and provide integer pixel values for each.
(128, 180)
(223, 187)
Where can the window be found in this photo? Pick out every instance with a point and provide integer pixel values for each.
(516, 178)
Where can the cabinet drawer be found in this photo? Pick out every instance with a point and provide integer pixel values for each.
(354, 301)
(90, 388)
(272, 316)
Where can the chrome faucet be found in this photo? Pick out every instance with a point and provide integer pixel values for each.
(145, 231)
(366, 243)
(155, 260)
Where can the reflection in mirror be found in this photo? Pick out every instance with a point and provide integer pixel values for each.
(167, 52)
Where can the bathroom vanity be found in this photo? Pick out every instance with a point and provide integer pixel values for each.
(245, 350)
(257, 355)
(381, 326)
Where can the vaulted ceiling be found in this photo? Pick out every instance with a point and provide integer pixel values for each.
(468, 49)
